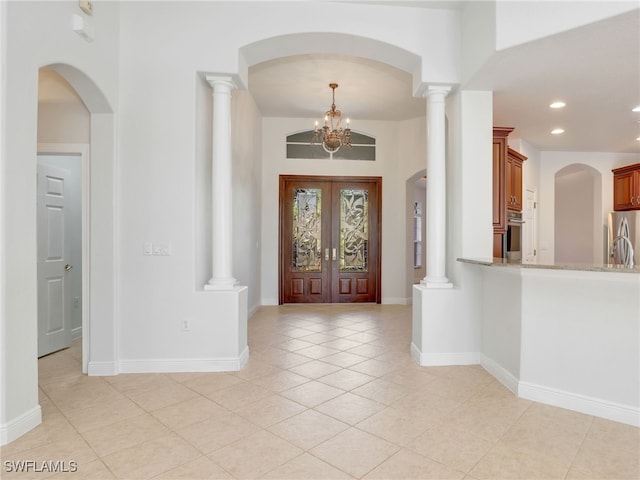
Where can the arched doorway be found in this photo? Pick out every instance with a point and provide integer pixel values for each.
(416, 229)
(98, 297)
(305, 59)
(578, 228)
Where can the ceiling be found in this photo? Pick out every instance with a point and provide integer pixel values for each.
(594, 69)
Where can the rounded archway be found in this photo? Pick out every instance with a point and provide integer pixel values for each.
(578, 236)
(416, 190)
(98, 224)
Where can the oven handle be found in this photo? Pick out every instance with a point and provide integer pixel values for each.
(515, 221)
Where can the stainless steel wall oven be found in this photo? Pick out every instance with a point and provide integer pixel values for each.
(513, 238)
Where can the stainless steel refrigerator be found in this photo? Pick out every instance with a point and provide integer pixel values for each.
(624, 238)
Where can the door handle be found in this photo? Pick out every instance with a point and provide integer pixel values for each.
(326, 254)
(333, 254)
(68, 267)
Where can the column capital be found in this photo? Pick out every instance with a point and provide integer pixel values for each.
(221, 80)
(433, 90)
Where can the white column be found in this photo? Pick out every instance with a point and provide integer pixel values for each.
(436, 204)
(221, 225)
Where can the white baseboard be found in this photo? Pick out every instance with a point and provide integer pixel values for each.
(19, 426)
(580, 403)
(444, 358)
(102, 369)
(501, 374)
(252, 311)
(76, 333)
(396, 301)
(229, 364)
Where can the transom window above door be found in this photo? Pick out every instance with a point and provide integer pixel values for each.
(363, 147)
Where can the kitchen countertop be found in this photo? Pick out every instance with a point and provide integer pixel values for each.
(584, 267)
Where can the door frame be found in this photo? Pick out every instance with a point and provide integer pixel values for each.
(283, 179)
(81, 149)
(529, 226)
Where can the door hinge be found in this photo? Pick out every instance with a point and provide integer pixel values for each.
(535, 252)
(535, 204)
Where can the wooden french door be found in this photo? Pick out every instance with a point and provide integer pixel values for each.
(329, 239)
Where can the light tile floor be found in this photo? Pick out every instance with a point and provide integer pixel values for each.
(330, 392)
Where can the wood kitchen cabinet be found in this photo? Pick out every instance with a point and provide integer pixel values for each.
(514, 180)
(626, 187)
(507, 184)
(500, 147)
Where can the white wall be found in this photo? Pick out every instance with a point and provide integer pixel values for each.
(550, 164)
(500, 309)
(563, 337)
(29, 27)
(165, 182)
(580, 341)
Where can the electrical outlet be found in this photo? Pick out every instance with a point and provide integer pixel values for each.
(185, 325)
(161, 249)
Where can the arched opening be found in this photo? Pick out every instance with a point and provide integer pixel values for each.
(578, 229)
(85, 128)
(416, 229)
(399, 133)
(64, 130)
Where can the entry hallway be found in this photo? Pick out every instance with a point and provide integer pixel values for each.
(330, 392)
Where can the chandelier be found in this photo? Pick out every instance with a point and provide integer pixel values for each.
(333, 135)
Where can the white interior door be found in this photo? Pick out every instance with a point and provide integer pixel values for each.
(54, 324)
(529, 228)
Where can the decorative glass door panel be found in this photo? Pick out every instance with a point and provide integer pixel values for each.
(329, 239)
(354, 230)
(307, 233)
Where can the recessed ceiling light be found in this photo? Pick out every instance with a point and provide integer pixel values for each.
(557, 105)
(557, 131)
(636, 109)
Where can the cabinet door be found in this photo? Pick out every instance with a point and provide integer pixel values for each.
(625, 191)
(499, 179)
(514, 180)
(514, 172)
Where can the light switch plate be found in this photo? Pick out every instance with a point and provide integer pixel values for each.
(86, 6)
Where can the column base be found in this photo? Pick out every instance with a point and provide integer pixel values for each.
(436, 282)
(221, 284)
